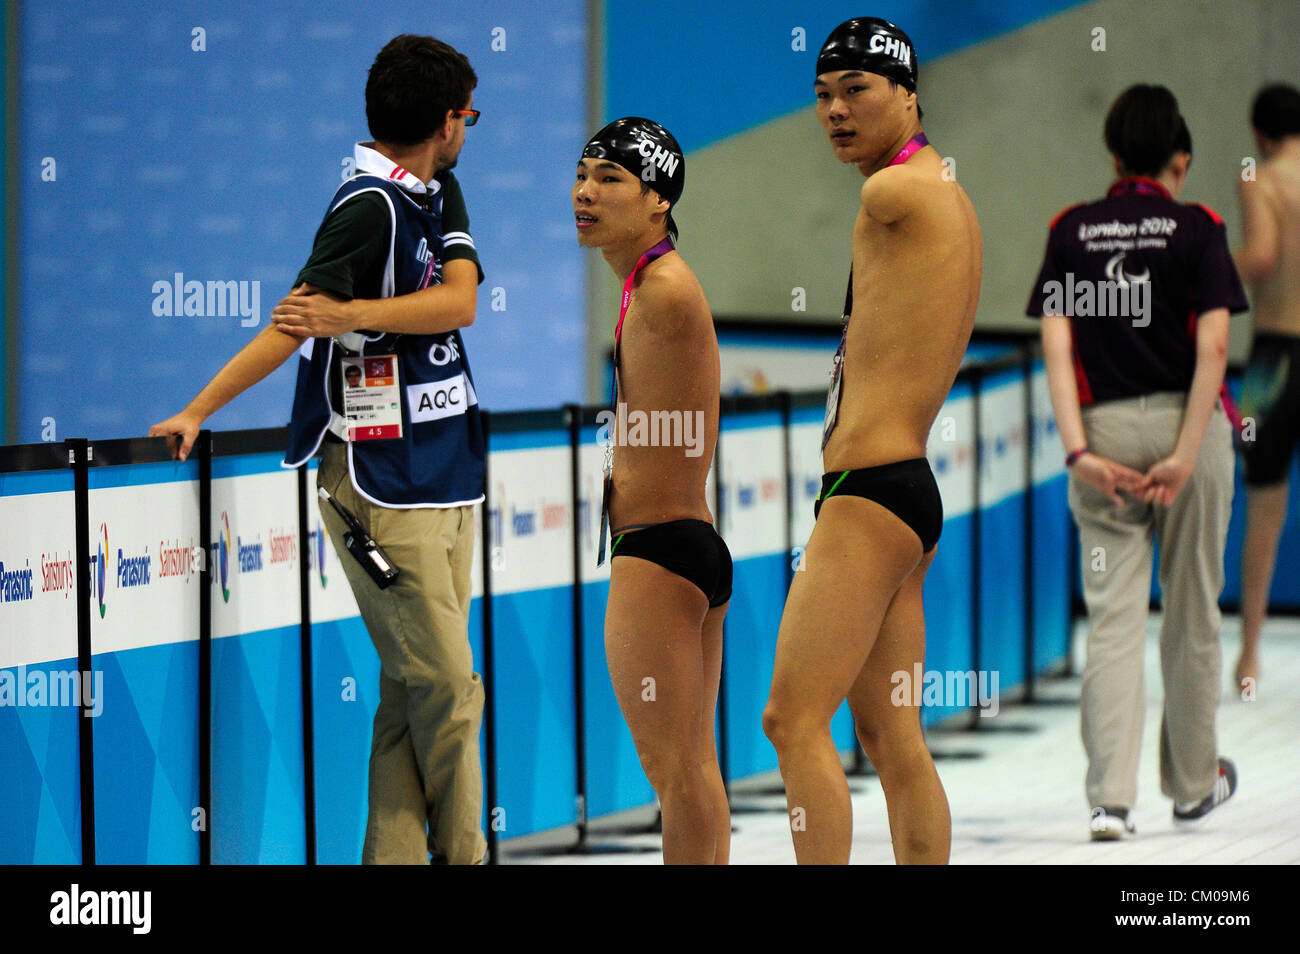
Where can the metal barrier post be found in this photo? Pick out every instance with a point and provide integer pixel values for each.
(79, 461)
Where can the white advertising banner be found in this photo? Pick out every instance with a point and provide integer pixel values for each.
(1002, 423)
(38, 594)
(144, 565)
(530, 521)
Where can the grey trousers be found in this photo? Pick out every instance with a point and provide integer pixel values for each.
(1116, 558)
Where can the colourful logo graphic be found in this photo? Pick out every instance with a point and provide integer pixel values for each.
(320, 553)
(101, 568)
(223, 556)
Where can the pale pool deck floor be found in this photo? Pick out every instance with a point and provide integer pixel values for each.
(1022, 801)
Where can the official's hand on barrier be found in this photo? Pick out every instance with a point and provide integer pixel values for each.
(1164, 481)
(1107, 476)
(180, 432)
(308, 312)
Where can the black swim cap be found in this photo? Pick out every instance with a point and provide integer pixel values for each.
(648, 151)
(871, 45)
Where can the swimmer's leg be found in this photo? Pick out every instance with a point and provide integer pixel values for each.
(857, 557)
(711, 641)
(1265, 517)
(919, 822)
(653, 648)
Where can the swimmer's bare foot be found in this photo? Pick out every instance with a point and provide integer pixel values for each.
(1248, 672)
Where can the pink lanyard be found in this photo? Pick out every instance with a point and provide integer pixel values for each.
(914, 145)
(911, 148)
(663, 248)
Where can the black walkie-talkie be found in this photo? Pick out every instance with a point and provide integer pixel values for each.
(363, 546)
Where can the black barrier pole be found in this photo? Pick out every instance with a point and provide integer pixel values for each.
(977, 622)
(79, 461)
(1027, 357)
(579, 687)
(489, 719)
(308, 699)
(203, 455)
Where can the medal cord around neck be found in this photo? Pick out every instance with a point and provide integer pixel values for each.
(648, 256)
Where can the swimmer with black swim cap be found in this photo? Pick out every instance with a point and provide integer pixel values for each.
(854, 616)
(670, 572)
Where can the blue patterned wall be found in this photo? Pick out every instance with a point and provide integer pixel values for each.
(206, 140)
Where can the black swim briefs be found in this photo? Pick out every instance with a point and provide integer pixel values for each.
(1270, 398)
(690, 548)
(906, 489)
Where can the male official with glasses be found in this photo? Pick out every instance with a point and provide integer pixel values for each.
(392, 278)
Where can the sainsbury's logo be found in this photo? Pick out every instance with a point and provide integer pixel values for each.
(57, 575)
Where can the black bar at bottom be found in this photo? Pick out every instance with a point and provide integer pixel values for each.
(79, 460)
(203, 455)
(304, 638)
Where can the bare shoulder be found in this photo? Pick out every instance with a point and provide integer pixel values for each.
(895, 192)
(923, 190)
(1263, 185)
(669, 298)
(888, 195)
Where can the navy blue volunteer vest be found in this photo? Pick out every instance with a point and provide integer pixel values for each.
(439, 458)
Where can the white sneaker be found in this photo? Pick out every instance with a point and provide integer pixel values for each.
(1110, 824)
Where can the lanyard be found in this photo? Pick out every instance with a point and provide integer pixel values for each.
(1139, 184)
(910, 148)
(663, 248)
(913, 146)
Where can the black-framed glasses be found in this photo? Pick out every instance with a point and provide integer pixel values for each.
(471, 115)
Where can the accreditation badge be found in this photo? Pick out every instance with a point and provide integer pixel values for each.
(833, 396)
(371, 397)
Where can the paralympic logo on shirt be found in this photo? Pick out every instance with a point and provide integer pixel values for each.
(1123, 295)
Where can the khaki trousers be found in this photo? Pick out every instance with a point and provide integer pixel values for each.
(426, 784)
(1116, 558)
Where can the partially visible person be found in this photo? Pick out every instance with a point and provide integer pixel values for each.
(1269, 259)
(1136, 390)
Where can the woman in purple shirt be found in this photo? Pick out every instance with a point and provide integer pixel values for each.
(1135, 294)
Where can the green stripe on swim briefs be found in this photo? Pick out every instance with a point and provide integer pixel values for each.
(836, 484)
(616, 541)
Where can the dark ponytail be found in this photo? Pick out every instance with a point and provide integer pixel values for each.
(1144, 130)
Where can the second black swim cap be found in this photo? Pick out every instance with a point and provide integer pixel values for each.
(645, 149)
(871, 45)
(648, 151)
